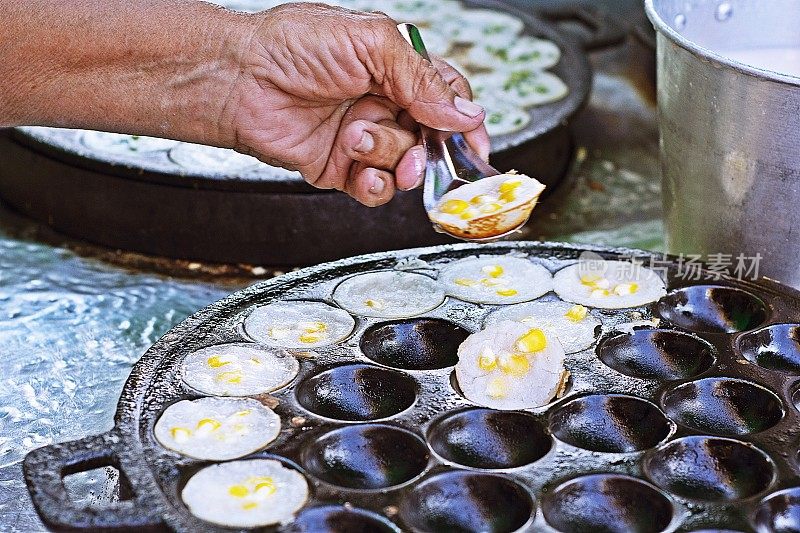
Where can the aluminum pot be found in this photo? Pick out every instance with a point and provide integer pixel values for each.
(730, 133)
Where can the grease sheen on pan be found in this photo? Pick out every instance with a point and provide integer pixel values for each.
(251, 493)
(608, 284)
(389, 294)
(298, 324)
(238, 369)
(495, 280)
(509, 365)
(571, 323)
(217, 429)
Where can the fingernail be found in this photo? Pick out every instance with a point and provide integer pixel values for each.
(471, 109)
(378, 185)
(366, 144)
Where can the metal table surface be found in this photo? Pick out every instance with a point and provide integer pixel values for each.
(75, 318)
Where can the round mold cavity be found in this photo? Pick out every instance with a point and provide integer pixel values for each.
(489, 439)
(779, 512)
(610, 423)
(713, 309)
(460, 501)
(723, 406)
(338, 519)
(775, 347)
(710, 469)
(357, 393)
(416, 344)
(607, 503)
(366, 457)
(656, 354)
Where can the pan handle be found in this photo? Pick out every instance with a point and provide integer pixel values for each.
(45, 469)
(603, 31)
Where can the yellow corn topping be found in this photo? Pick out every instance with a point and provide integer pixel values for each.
(238, 491)
(249, 505)
(533, 341)
(468, 214)
(590, 279)
(576, 313)
(180, 434)
(208, 423)
(481, 199)
(245, 412)
(255, 360)
(454, 207)
(515, 365)
(230, 377)
(497, 388)
(266, 488)
(310, 338)
(465, 282)
(510, 185)
(491, 282)
(508, 197)
(626, 288)
(506, 292)
(487, 360)
(375, 304)
(493, 271)
(315, 327)
(215, 362)
(599, 293)
(494, 207)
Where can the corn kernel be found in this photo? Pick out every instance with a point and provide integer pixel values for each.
(533, 341)
(590, 279)
(491, 282)
(375, 304)
(493, 271)
(215, 362)
(230, 377)
(506, 292)
(487, 360)
(255, 360)
(515, 365)
(481, 199)
(180, 434)
(266, 488)
(209, 424)
(454, 207)
(243, 412)
(599, 293)
(508, 197)
(314, 327)
(465, 282)
(468, 214)
(494, 207)
(576, 313)
(626, 288)
(311, 338)
(238, 491)
(510, 185)
(249, 505)
(497, 388)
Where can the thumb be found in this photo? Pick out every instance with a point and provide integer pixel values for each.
(414, 84)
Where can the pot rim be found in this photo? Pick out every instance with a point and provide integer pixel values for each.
(666, 30)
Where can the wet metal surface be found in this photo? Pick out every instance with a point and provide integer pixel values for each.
(74, 319)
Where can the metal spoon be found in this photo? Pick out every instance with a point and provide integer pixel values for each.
(450, 160)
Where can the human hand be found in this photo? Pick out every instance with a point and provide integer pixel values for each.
(337, 95)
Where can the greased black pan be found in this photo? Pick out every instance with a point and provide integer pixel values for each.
(691, 424)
